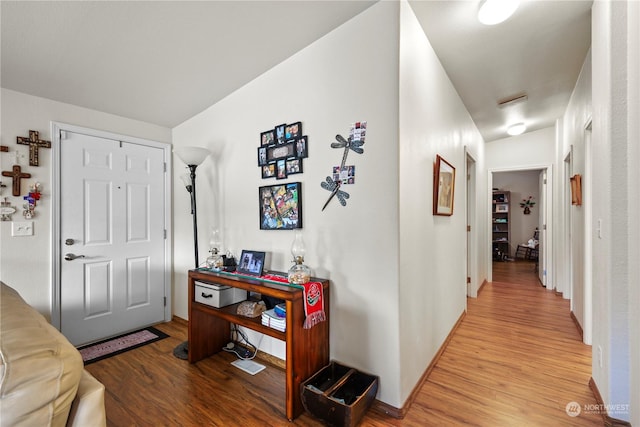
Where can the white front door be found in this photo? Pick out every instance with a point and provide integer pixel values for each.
(112, 231)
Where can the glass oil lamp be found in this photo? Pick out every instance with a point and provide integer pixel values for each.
(298, 273)
(214, 260)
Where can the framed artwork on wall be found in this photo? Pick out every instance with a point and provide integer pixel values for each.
(293, 131)
(444, 179)
(269, 171)
(294, 166)
(268, 137)
(280, 206)
(277, 152)
(262, 156)
(576, 190)
(280, 136)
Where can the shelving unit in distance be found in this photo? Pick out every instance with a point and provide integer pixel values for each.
(500, 225)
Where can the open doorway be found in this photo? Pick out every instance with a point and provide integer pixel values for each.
(525, 231)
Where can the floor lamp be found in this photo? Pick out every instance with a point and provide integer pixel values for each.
(192, 157)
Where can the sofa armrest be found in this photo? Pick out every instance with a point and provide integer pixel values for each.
(87, 409)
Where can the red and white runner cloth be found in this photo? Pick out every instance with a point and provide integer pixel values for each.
(313, 300)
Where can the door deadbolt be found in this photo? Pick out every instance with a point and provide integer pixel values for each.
(69, 242)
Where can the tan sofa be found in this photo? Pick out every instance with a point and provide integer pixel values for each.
(42, 377)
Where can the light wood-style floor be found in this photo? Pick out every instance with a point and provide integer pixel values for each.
(515, 360)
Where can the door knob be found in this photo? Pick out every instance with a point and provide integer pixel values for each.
(71, 257)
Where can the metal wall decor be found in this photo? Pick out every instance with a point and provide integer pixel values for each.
(344, 174)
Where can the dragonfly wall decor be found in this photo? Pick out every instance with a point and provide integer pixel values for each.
(353, 143)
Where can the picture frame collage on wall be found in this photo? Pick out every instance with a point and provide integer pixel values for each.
(281, 151)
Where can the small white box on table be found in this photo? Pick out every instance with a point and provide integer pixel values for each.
(218, 295)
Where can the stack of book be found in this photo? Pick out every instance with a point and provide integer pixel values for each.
(272, 320)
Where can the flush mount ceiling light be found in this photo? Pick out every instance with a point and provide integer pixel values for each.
(516, 129)
(492, 12)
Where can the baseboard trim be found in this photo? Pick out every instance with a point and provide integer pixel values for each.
(484, 282)
(180, 320)
(608, 421)
(402, 412)
(271, 359)
(575, 321)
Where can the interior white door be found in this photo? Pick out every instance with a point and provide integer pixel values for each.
(112, 237)
(542, 232)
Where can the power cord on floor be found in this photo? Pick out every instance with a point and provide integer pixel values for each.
(243, 352)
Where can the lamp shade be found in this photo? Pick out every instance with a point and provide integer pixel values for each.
(192, 155)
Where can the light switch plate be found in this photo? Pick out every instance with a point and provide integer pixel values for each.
(22, 228)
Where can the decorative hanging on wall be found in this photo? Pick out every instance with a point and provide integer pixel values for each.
(343, 174)
(576, 189)
(35, 143)
(527, 204)
(32, 199)
(16, 175)
(281, 151)
(6, 210)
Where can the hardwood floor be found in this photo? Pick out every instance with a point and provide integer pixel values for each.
(515, 360)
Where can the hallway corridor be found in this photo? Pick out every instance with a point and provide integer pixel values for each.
(516, 360)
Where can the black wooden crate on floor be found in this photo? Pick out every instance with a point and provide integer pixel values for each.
(339, 395)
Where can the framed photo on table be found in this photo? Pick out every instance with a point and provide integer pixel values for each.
(251, 263)
(444, 179)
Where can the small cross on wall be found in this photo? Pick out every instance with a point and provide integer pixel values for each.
(35, 143)
(16, 174)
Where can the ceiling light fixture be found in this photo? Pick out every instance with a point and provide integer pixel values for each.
(492, 12)
(516, 129)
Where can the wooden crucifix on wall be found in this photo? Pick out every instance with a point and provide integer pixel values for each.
(16, 174)
(35, 143)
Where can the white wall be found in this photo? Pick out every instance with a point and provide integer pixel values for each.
(571, 257)
(521, 184)
(432, 282)
(521, 152)
(349, 75)
(615, 100)
(25, 262)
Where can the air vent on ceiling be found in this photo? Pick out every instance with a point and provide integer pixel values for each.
(512, 100)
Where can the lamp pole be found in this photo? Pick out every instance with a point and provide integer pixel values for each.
(194, 211)
(192, 157)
